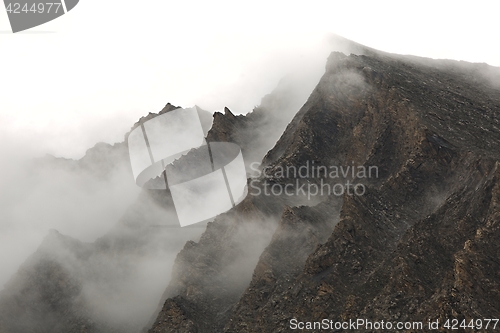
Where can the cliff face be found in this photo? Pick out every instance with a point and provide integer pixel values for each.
(417, 246)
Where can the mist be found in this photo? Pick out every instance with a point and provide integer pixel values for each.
(80, 88)
(114, 240)
(35, 199)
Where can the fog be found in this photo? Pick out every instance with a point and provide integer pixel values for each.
(97, 196)
(100, 70)
(35, 200)
(121, 275)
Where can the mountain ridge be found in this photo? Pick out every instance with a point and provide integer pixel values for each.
(373, 110)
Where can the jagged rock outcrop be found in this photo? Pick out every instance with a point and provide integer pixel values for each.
(257, 132)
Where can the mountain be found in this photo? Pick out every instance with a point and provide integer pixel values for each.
(419, 245)
(414, 239)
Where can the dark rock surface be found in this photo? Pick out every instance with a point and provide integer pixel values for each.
(418, 246)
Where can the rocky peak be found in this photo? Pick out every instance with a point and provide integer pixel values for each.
(169, 107)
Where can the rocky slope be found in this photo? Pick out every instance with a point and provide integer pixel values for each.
(419, 245)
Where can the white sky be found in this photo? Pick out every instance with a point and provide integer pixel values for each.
(109, 62)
